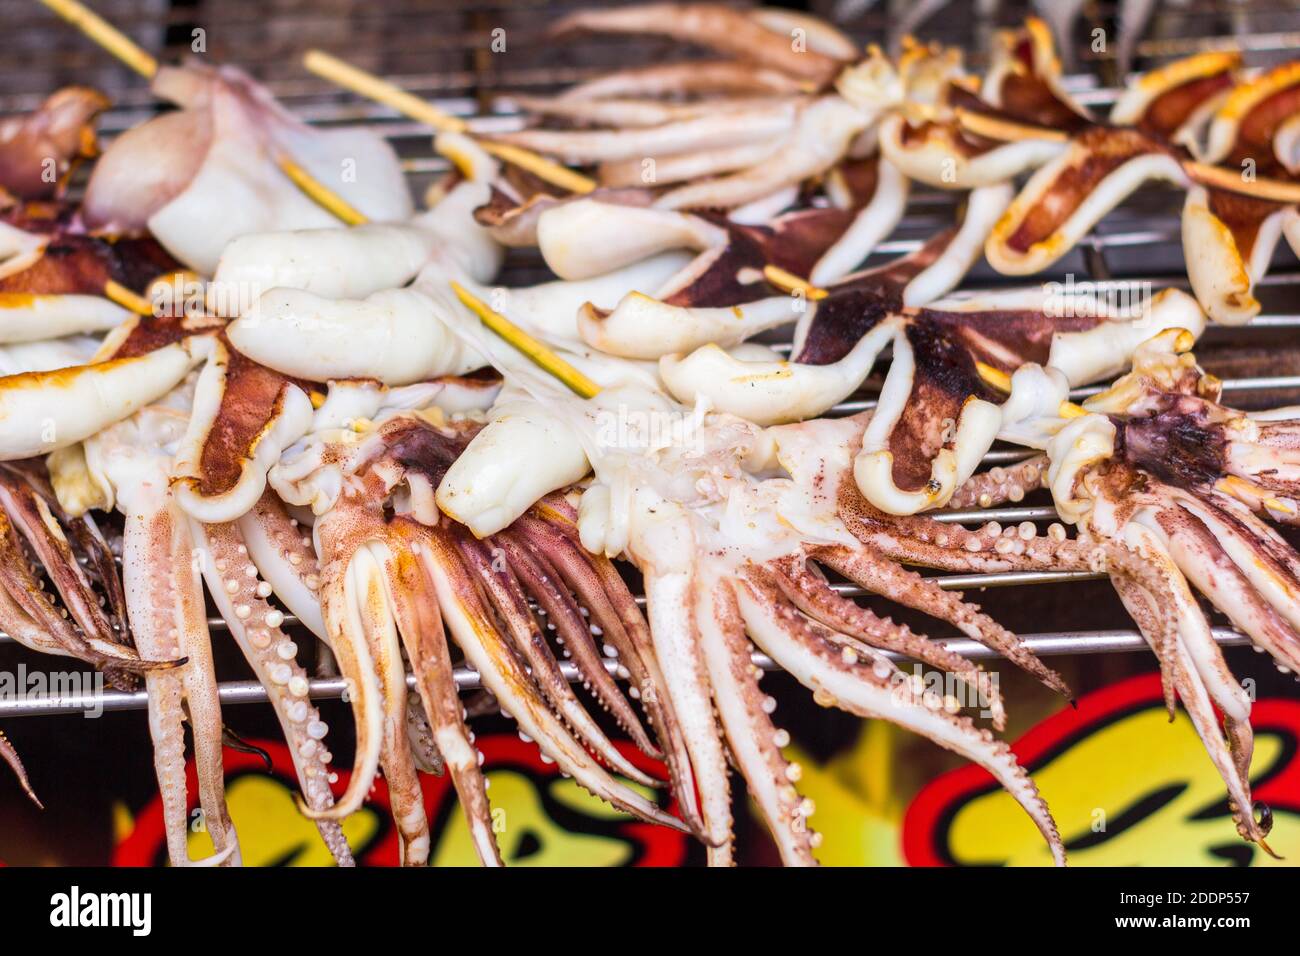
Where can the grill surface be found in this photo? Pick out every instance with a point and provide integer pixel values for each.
(439, 49)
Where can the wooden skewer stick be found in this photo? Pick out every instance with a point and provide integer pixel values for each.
(789, 282)
(1001, 381)
(525, 343)
(106, 35)
(127, 299)
(126, 50)
(365, 84)
(381, 91)
(129, 52)
(319, 193)
(1217, 177)
(1004, 130)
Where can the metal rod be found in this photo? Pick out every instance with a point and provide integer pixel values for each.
(332, 688)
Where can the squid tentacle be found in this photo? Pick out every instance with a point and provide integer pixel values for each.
(919, 539)
(909, 589)
(600, 587)
(380, 632)
(879, 690)
(1198, 551)
(420, 626)
(10, 756)
(858, 625)
(674, 630)
(997, 486)
(508, 598)
(165, 604)
(470, 624)
(255, 625)
(1227, 758)
(24, 522)
(755, 743)
(352, 654)
(572, 630)
(1156, 620)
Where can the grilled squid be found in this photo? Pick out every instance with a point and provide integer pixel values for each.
(1228, 237)
(216, 161)
(1171, 491)
(39, 149)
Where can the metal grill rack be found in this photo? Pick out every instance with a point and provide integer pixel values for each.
(405, 39)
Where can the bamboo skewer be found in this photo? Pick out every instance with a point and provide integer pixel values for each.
(789, 282)
(526, 344)
(1000, 381)
(127, 299)
(319, 193)
(106, 35)
(372, 87)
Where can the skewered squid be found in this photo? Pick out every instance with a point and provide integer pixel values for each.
(39, 149)
(393, 573)
(1229, 238)
(243, 554)
(728, 526)
(1195, 124)
(926, 138)
(723, 151)
(216, 161)
(1171, 491)
(937, 416)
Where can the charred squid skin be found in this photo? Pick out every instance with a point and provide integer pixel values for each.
(419, 622)
(469, 622)
(10, 756)
(508, 598)
(602, 589)
(879, 690)
(165, 603)
(755, 742)
(240, 597)
(395, 758)
(573, 631)
(909, 589)
(859, 626)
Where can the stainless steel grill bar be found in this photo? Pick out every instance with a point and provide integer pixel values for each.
(332, 688)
